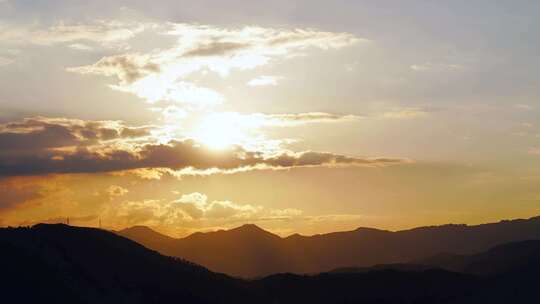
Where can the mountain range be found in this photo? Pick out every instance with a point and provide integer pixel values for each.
(56, 263)
(249, 251)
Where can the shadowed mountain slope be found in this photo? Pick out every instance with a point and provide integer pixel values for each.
(63, 264)
(249, 251)
(84, 265)
(506, 258)
(516, 257)
(147, 236)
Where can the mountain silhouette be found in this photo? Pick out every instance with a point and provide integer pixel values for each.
(506, 258)
(516, 257)
(147, 236)
(64, 264)
(249, 251)
(67, 264)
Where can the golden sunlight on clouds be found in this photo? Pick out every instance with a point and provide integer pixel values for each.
(220, 130)
(162, 74)
(40, 146)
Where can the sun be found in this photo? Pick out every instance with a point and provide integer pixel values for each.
(215, 138)
(220, 132)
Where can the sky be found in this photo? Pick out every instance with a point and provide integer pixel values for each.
(299, 116)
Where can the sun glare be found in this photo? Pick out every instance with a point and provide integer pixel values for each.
(220, 132)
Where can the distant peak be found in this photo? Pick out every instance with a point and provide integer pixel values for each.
(249, 227)
(244, 230)
(142, 231)
(367, 229)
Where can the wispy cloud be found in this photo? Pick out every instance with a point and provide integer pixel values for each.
(405, 113)
(258, 120)
(104, 33)
(429, 66)
(304, 118)
(263, 81)
(81, 47)
(156, 75)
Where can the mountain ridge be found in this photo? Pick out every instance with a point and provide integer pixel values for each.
(361, 228)
(249, 251)
(57, 263)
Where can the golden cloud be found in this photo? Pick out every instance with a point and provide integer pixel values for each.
(43, 145)
(161, 74)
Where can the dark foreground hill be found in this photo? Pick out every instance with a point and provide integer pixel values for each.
(63, 264)
(82, 265)
(249, 251)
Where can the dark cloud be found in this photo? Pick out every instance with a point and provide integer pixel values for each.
(134, 132)
(36, 136)
(311, 117)
(37, 148)
(175, 155)
(129, 68)
(44, 133)
(216, 48)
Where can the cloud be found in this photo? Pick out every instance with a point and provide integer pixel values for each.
(128, 68)
(263, 81)
(40, 145)
(195, 212)
(254, 121)
(195, 198)
(215, 48)
(181, 92)
(41, 133)
(428, 66)
(222, 129)
(405, 113)
(193, 204)
(304, 118)
(115, 191)
(104, 33)
(156, 75)
(228, 209)
(197, 206)
(81, 47)
(191, 210)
